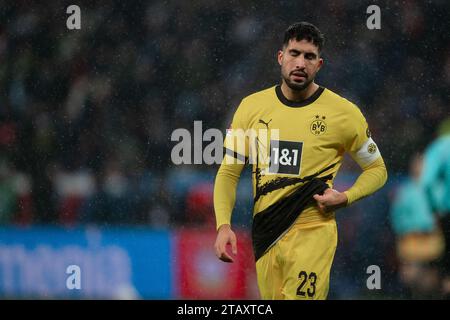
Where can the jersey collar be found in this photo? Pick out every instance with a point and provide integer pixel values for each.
(297, 104)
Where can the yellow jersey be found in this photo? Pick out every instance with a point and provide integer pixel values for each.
(293, 140)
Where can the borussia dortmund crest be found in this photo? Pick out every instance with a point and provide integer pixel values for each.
(318, 126)
(372, 148)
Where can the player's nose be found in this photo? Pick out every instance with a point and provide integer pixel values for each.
(300, 62)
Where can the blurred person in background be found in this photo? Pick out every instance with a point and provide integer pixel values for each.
(419, 240)
(436, 182)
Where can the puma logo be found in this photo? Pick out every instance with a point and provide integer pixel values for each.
(265, 123)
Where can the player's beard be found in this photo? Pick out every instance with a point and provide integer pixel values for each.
(297, 86)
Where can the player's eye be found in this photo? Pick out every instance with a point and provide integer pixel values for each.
(310, 56)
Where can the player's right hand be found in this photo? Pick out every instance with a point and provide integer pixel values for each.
(225, 236)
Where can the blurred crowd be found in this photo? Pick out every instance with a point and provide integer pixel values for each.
(86, 115)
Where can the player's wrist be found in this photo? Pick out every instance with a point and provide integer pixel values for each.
(344, 199)
(348, 198)
(225, 226)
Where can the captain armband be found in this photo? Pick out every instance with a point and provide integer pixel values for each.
(367, 154)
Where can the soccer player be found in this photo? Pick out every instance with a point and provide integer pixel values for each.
(436, 182)
(419, 240)
(307, 130)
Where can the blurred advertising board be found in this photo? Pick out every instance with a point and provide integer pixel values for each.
(115, 263)
(200, 275)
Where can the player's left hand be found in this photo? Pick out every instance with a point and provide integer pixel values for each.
(331, 200)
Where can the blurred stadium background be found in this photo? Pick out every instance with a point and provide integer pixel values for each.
(86, 117)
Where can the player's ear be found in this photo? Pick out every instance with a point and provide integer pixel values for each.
(320, 64)
(280, 56)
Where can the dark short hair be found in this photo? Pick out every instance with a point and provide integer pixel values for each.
(304, 31)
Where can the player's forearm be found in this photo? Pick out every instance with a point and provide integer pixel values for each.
(371, 179)
(225, 186)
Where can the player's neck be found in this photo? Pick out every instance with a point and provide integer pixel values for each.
(295, 95)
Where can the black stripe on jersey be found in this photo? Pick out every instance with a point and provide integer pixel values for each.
(236, 155)
(272, 222)
(297, 104)
(283, 182)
